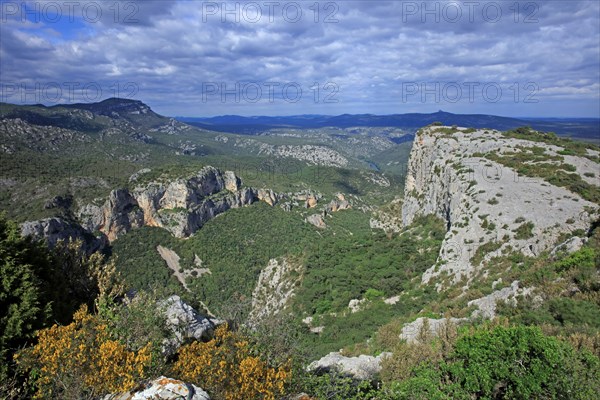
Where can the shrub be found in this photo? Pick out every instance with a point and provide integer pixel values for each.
(502, 362)
(226, 367)
(81, 359)
(575, 312)
(373, 294)
(483, 250)
(337, 387)
(524, 231)
(24, 296)
(39, 286)
(520, 362)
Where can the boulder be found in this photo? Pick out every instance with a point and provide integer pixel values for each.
(355, 305)
(59, 202)
(267, 195)
(311, 202)
(362, 367)
(316, 220)
(162, 389)
(186, 323)
(337, 205)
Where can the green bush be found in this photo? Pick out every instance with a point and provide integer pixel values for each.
(334, 386)
(524, 231)
(521, 363)
(373, 294)
(575, 312)
(25, 296)
(515, 362)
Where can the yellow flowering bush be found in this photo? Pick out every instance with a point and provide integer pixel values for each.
(80, 359)
(226, 368)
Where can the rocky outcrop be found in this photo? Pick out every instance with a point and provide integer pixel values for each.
(355, 305)
(304, 198)
(181, 206)
(267, 195)
(361, 367)
(388, 218)
(59, 202)
(413, 330)
(570, 245)
(276, 285)
(185, 323)
(316, 220)
(120, 214)
(484, 202)
(486, 306)
(337, 204)
(232, 182)
(385, 224)
(311, 199)
(162, 389)
(54, 229)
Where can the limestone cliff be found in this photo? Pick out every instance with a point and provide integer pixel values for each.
(465, 178)
(181, 206)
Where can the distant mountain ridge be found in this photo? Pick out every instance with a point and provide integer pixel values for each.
(82, 116)
(137, 112)
(584, 128)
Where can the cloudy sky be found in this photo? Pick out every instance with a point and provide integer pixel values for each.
(197, 58)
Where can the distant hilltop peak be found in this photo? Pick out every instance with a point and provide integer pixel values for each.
(112, 105)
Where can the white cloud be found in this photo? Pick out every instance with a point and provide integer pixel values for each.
(175, 47)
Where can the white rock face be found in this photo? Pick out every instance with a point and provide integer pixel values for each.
(487, 304)
(163, 389)
(361, 367)
(275, 287)
(410, 331)
(447, 178)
